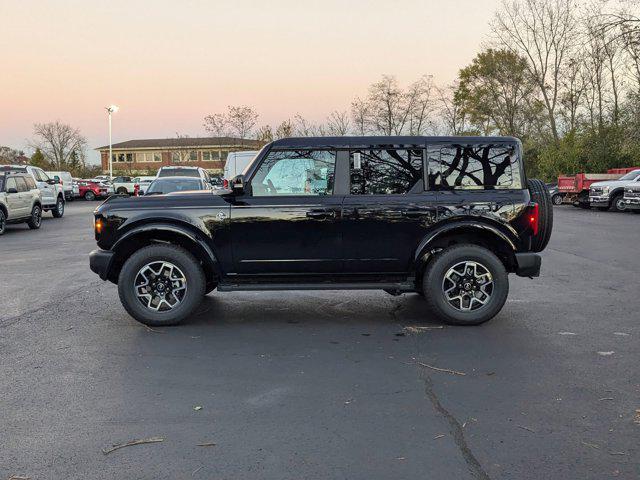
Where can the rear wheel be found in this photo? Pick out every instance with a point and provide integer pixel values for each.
(89, 195)
(540, 195)
(161, 285)
(557, 199)
(122, 191)
(3, 222)
(465, 285)
(58, 211)
(36, 218)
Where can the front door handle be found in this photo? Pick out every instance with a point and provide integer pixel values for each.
(321, 213)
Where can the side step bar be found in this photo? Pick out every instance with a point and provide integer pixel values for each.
(237, 287)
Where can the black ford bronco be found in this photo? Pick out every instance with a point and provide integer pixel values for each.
(445, 217)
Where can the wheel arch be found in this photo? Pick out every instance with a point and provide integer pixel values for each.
(175, 234)
(492, 237)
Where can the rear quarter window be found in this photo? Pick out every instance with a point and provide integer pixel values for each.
(474, 167)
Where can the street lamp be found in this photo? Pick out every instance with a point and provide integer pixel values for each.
(110, 109)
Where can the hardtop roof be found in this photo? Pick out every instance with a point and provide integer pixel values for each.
(367, 141)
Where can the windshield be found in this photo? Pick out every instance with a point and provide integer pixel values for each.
(174, 185)
(631, 175)
(179, 172)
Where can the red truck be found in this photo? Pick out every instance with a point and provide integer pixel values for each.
(575, 189)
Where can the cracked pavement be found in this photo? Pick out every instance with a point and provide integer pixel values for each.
(322, 384)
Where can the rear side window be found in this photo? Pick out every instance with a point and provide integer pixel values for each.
(474, 167)
(21, 184)
(386, 171)
(11, 183)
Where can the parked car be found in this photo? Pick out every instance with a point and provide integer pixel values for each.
(176, 171)
(176, 184)
(20, 200)
(400, 214)
(76, 189)
(91, 190)
(554, 193)
(610, 193)
(51, 190)
(236, 163)
(123, 185)
(143, 183)
(67, 183)
(632, 197)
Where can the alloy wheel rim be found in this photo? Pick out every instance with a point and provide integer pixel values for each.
(60, 206)
(160, 286)
(467, 286)
(620, 205)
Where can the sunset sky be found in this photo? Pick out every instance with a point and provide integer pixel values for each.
(167, 64)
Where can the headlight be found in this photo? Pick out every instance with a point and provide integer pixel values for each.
(605, 190)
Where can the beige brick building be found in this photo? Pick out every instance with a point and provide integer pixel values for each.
(148, 155)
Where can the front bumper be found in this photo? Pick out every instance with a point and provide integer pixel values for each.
(632, 203)
(100, 262)
(528, 264)
(599, 201)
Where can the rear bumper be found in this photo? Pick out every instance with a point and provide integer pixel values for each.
(100, 262)
(528, 264)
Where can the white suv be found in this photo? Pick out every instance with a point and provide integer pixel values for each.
(173, 171)
(51, 190)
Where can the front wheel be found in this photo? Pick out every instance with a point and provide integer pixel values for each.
(3, 222)
(58, 211)
(618, 204)
(161, 285)
(557, 199)
(466, 285)
(90, 196)
(36, 218)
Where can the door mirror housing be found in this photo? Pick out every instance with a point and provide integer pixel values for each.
(12, 190)
(52, 181)
(237, 185)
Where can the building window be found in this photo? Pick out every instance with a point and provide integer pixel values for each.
(121, 157)
(193, 156)
(157, 157)
(223, 154)
(176, 157)
(148, 157)
(114, 157)
(129, 157)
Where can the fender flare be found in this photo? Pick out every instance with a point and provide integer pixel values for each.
(188, 232)
(422, 251)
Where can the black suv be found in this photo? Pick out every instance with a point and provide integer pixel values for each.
(445, 217)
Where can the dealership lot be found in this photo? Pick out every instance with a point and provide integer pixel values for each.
(322, 384)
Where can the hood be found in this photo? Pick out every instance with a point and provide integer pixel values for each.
(611, 183)
(201, 198)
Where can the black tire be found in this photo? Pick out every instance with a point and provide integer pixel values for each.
(36, 218)
(434, 278)
(3, 222)
(90, 196)
(194, 279)
(58, 212)
(122, 191)
(540, 194)
(557, 199)
(617, 203)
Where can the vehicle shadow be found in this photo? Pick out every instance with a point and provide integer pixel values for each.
(313, 307)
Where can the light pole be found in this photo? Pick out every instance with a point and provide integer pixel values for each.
(111, 109)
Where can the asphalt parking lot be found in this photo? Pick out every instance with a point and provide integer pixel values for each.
(322, 385)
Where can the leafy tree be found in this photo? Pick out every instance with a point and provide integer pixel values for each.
(38, 160)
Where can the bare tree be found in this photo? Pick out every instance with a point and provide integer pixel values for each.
(217, 124)
(360, 116)
(387, 106)
(242, 120)
(265, 134)
(573, 92)
(285, 129)
(9, 155)
(421, 101)
(543, 32)
(338, 123)
(451, 112)
(58, 142)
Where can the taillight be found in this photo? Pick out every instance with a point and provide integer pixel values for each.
(225, 183)
(533, 218)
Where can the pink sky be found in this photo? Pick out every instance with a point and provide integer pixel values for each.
(167, 64)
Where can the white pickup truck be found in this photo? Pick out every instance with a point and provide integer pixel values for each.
(123, 185)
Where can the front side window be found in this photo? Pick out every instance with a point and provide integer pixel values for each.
(386, 171)
(21, 184)
(30, 183)
(295, 172)
(477, 167)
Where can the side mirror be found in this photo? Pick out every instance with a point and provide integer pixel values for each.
(12, 190)
(237, 185)
(52, 181)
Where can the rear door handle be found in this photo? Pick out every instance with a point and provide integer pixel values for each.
(321, 213)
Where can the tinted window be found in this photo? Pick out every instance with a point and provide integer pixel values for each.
(295, 172)
(22, 185)
(470, 167)
(386, 171)
(175, 185)
(31, 184)
(179, 172)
